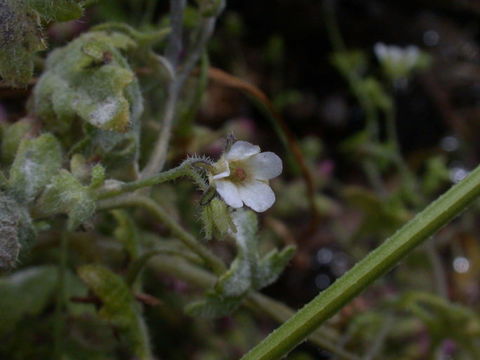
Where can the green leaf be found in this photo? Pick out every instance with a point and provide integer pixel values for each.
(90, 79)
(248, 271)
(26, 292)
(9, 243)
(214, 306)
(11, 138)
(20, 38)
(35, 163)
(59, 10)
(445, 320)
(65, 194)
(21, 34)
(272, 265)
(118, 307)
(127, 233)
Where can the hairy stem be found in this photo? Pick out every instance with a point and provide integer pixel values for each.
(159, 153)
(374, 265)
(186, 168)
(174, 46)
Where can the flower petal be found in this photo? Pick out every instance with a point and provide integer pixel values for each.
(265, 166)
(222, 169)
(257, 195)
(229, 193)
(241, 150)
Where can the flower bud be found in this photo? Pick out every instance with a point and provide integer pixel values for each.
(216, 219)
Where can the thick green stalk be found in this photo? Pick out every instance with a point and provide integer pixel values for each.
(374, 265)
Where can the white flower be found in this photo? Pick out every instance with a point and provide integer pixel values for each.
(241, 176)
(398, 62)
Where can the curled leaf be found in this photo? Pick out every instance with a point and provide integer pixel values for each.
(65, 194)
(89, 79)
(35, 163)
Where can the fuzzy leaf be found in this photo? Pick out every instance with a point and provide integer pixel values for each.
(9, 243)
(214, 306)
(272, 265)
(247, 271)
(35, 163)
(90, 79)
(65, 194)
(118, 306)
(59, 10)
(11, 138)
(21, 35)
(26, 292)
(20, 38)
(238, 279)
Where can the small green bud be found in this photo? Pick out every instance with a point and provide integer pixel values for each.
(216, 219)
(80, 168)
(98, 176)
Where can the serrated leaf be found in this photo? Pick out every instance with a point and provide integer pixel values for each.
(59, 10)
(26, 292)
(35, 163)
(118, 307)
(20, 38)
(11, 138)
(65, 194)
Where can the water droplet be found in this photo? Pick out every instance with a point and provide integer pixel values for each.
(340, 264)
(461, 264)
(322, 281)
(431, 38)
(457, 174)
(324, 256)
(449, 143)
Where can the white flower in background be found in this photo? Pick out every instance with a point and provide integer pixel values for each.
(399, 62)
(241, 176)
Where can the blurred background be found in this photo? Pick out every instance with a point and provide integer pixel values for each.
(349, 189)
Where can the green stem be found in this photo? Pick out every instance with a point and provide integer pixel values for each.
(408, 177)
(59, 322)
(217, 266)
(184, 169)
(374, 265)
(159, 153)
